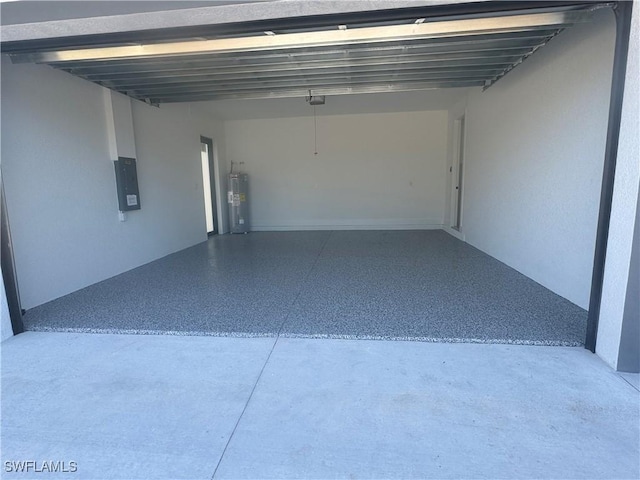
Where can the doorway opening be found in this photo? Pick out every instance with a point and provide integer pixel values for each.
(209, 185)
(457, 175)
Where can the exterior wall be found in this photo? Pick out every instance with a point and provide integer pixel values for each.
(623, 210)
(629, 353)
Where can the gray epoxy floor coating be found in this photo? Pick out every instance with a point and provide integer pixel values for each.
(175, 407)
(411, 285)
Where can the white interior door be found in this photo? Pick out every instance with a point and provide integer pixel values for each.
(457, 175)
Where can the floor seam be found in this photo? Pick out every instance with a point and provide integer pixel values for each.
(244, 409)
(632, 385)
(303, 283)
(255, 385)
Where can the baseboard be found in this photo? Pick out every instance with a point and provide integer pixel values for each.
(454, 233)
(293, 228)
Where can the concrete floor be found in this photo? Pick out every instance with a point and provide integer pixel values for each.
(410, 285)
(147, 407)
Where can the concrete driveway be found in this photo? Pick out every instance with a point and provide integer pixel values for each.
(187, 407)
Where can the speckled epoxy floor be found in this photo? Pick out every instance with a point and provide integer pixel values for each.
(401, 285)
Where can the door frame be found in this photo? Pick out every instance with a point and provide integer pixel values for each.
(212, 183)
(9, 277)
(622, 11)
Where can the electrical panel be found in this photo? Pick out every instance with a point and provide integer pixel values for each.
(127, 184)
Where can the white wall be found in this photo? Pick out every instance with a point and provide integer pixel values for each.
(623, 209)
(372, 170)
(534, 154)
(60, 182)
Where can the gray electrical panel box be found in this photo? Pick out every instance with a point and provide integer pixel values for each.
(127, 184)
(237, 200)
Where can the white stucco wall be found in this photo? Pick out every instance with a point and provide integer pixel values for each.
(60, 182)
(535, 146)
(380, 171)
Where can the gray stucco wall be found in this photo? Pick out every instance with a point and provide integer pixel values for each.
(629, 354)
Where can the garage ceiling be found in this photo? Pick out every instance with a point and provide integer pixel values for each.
(412, 54)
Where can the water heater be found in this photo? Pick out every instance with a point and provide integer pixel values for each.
(237, 200)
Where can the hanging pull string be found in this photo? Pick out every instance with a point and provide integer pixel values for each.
(315, 132)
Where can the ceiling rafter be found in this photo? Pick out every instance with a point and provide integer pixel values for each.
(446, 53)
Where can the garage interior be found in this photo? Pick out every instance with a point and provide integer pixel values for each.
(447, 189)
